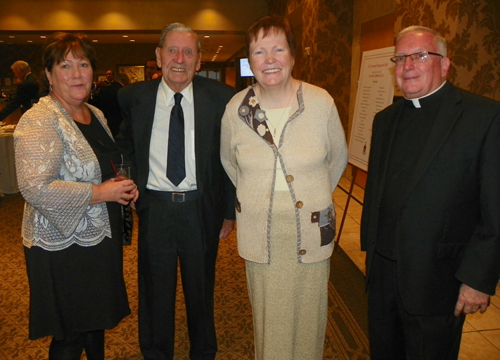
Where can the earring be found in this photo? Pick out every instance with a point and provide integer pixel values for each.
(92, 91)
(50, 88)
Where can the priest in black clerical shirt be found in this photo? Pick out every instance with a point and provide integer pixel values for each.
(431, 216)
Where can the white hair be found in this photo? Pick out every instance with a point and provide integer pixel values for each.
(438, 39)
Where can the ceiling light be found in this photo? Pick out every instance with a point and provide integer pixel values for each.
(125, 36)
(12, 37)
(206, 36)
(95, 40)
(132, 40)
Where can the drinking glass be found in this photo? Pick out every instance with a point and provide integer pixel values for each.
(123, 171)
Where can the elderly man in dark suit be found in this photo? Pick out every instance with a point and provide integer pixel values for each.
(172, 129)
(431, 217)
(27, 90)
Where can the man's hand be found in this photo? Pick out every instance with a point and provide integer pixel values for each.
(471, 300)
(227, 227)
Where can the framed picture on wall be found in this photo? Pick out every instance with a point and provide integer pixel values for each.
(101, 77)
(135, 73)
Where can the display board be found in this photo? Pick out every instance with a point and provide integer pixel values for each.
(375, 92)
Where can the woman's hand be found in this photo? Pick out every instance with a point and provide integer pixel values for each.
(135, 192)
(116, 190)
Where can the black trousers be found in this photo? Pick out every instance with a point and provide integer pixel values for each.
(394, 333)
(170, 233)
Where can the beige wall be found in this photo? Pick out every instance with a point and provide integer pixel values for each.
(228, 15)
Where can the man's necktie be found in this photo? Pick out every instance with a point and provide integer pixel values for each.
(176, 168)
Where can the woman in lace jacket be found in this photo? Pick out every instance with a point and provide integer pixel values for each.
(283, 146)
(72, 223)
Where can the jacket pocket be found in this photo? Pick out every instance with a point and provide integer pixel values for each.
(326, 222)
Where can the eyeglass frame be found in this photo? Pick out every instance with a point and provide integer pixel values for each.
(417, 60)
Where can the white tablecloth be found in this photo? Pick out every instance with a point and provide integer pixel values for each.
(8, 179)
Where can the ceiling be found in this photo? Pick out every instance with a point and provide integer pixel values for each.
(218, 46)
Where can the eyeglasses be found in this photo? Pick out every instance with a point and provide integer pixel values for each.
(418, 57)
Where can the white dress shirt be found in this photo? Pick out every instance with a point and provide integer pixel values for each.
(158, 149)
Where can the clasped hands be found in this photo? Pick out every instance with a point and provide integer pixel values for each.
(122, 191)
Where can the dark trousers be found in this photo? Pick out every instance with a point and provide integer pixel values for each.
(171, 233)
(397, 335)
(72, 345)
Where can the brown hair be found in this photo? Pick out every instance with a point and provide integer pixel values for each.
(59, 44)
(270, 24)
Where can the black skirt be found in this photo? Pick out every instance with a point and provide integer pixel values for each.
(76, 289)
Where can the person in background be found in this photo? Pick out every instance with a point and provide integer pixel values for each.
(431, 214)
(110, 77)
(98, 86)
(171, 129)
(157, 75)
(123, 79)
(150, 68)
(107, 101)
(27, 90)
(72, 223)
(283, 147)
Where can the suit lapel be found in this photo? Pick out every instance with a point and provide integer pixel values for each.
(448, 114)
(144, 113)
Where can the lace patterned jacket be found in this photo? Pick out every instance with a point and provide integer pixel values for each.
(56, 168)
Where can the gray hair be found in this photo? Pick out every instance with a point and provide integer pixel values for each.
(438, 39)
(178, 27)
(21, 65)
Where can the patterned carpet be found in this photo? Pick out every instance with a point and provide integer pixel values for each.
(345, 339)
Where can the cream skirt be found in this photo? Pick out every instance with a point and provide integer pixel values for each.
(289, 300)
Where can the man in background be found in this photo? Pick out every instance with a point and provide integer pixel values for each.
(150, 69)
(171, 130)
(27, 90)
(110, 77)
(431, 215)
(107, 100)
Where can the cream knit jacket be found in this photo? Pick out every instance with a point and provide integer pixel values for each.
(313, 155)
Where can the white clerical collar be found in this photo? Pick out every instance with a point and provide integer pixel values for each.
(416, 101)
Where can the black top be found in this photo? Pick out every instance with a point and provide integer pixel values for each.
(106, 151)
(412, 131)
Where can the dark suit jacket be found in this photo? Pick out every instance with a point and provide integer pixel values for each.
(26, 92)
(210, 98)
(449, 220)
